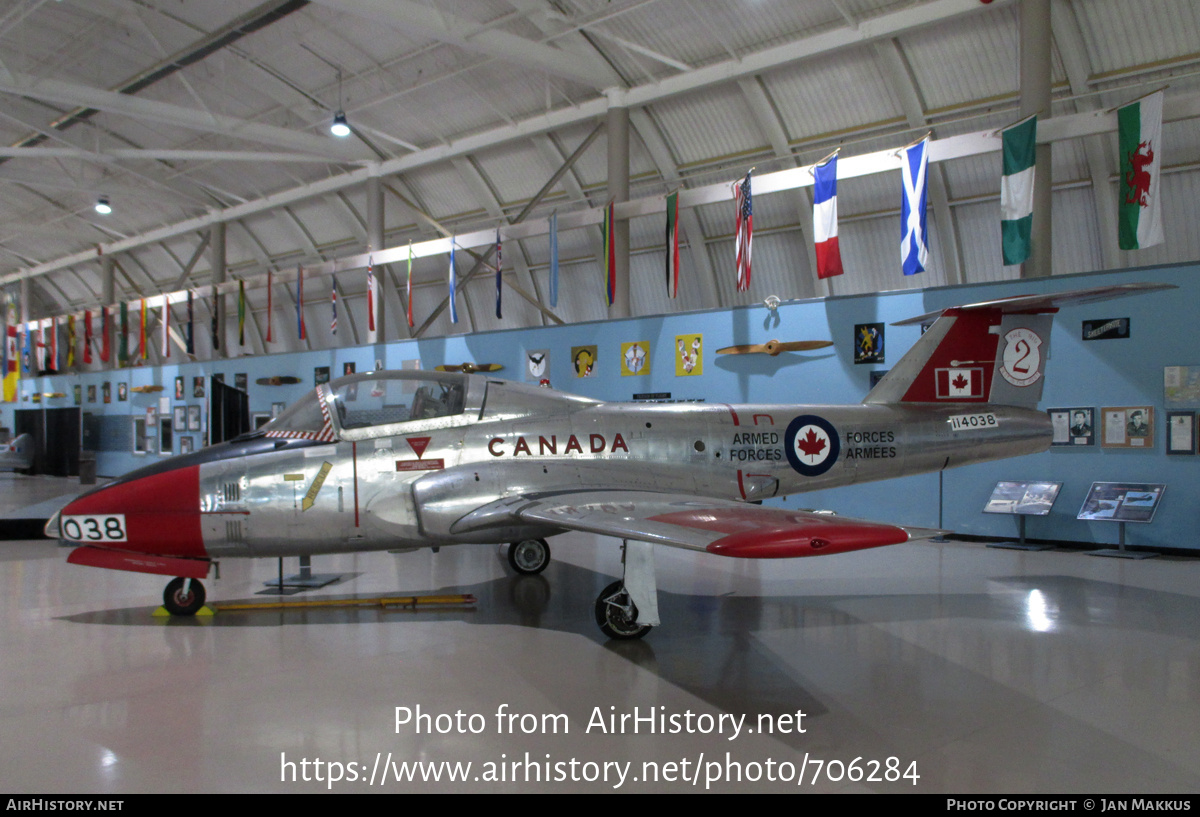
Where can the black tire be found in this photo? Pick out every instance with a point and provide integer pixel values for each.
(529, 556)
(617, 615)
(180, 604)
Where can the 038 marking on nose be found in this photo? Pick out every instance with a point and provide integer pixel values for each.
(110, 528)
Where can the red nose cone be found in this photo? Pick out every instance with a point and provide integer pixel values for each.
(161, 515)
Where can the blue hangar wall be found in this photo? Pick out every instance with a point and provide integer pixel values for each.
(1123, 372)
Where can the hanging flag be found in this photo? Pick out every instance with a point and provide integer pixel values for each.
(123, 346)
(554, 259)
(270, 306)
(53, 345)
(333, 305)
(673, 245)
(27, 348)
(1139, 125)
(408, 293)
(743, 232)
(87, 336)
(301, 331)
(191, 337)
(12, 371)
(372, 301)
(106, 341)
(1016, 191)
(241, 313)
(145, 352)
(825, 220)
(216, 319)
(610, 253)
(914, 246)
(453, 306)
(40, 347)
(72, 340)
(499, 265)
(166, 328)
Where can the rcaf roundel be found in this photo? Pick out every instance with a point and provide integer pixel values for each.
(811, 444)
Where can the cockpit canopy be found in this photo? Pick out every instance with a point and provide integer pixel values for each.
(361, 406)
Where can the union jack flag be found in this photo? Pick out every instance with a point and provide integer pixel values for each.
(744, 230)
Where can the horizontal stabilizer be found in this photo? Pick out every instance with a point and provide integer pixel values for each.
(1046, 303)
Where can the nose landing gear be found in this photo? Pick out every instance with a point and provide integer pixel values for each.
(183, 597)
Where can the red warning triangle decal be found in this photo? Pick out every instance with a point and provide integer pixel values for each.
(418, 445)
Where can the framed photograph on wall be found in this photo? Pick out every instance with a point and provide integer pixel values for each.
(180, 418)
(1128, 426)
(1074, 425)
(193, 418)
(1181, 432)
(185, 445)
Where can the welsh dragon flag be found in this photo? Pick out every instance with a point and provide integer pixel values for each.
(1140, 129)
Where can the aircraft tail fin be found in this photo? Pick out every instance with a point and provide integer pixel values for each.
(988, 352)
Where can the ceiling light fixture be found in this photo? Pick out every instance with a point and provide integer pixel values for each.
(340, 127)
(102, 206)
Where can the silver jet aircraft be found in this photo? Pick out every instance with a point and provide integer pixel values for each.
(389, 460)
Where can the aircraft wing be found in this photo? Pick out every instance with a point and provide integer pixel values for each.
(717, 526)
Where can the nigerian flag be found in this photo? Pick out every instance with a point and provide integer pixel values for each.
(1140, 129)
(1016, 191)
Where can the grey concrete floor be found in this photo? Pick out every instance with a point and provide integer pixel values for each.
(973, 669)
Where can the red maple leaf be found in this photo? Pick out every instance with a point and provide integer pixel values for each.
(960, 382)
(812, 445)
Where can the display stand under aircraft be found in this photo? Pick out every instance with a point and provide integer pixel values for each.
(389, 460)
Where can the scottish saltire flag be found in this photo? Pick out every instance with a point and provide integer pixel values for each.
(914, 244)
(1139, 126)
(825, 220)
(12, 368)
(191, 337)
(1016, 191)
(673, 244)
(499, 265)
(408, 289)
(166, 320)
(301, 331)
(554, 259)
(372, 304)
(333, 305)
(72, 341)
(453, 305)
(743, 228)
(87, 336)
(610, 254)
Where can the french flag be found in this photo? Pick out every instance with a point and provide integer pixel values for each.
(825, 228)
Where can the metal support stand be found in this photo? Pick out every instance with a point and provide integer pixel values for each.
(1022, 544)
(304, 580)
(1121, 552)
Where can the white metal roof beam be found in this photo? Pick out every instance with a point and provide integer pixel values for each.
(69, 93)
(469, 35)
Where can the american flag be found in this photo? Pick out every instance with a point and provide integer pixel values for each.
(744, 229)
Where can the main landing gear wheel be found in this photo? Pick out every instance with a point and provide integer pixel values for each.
(183, 601)
(529, 556)
(617, 615)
